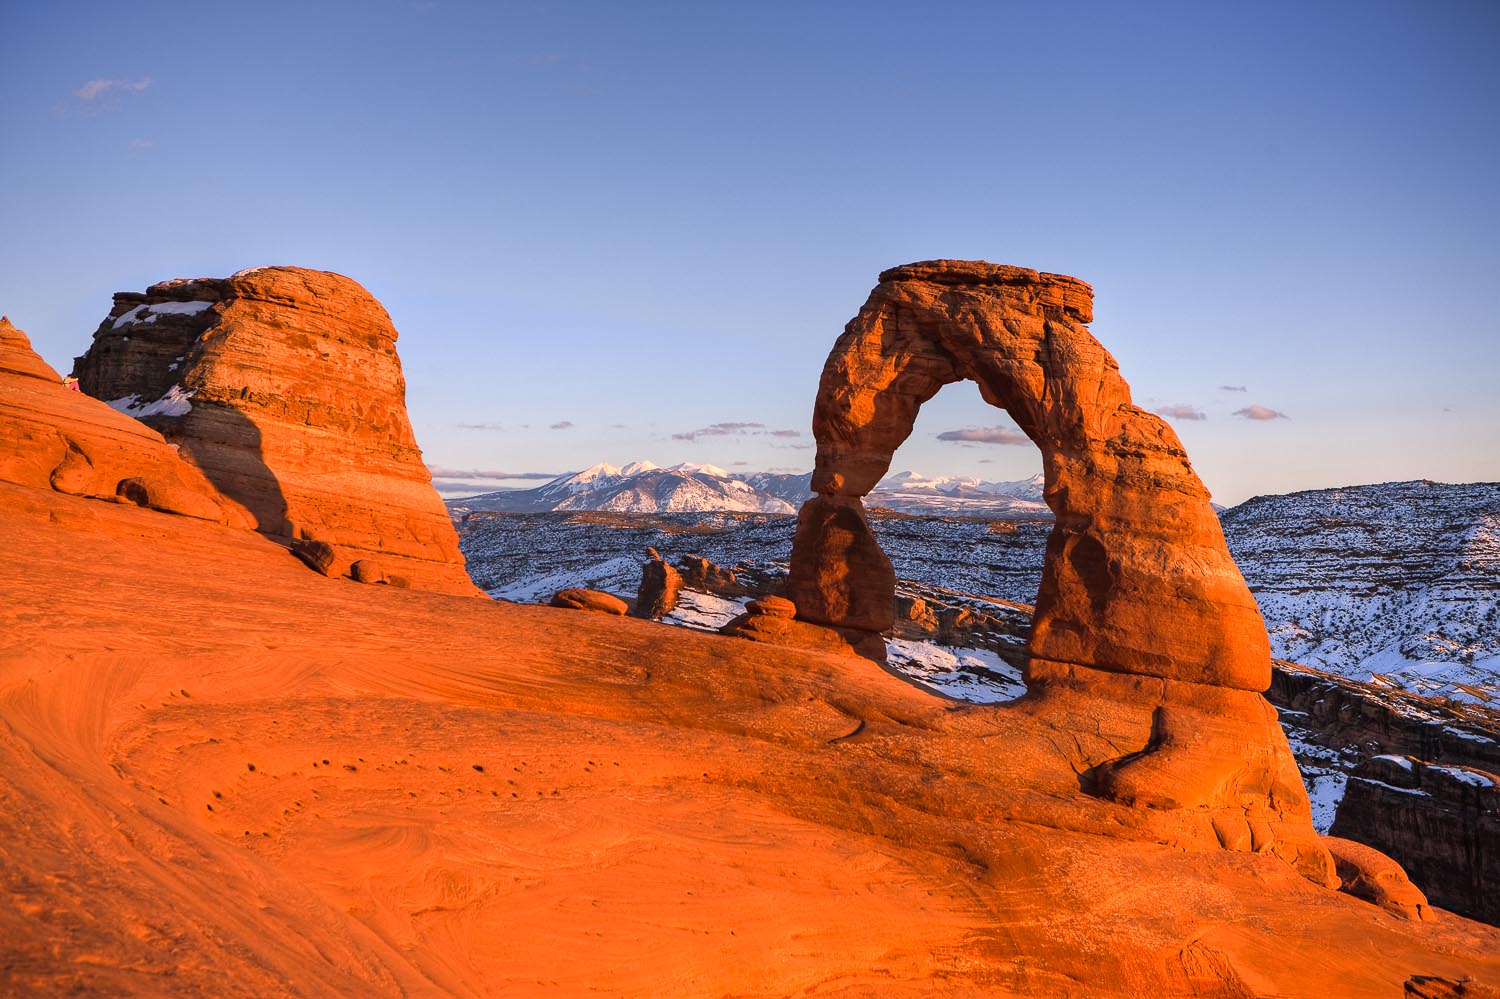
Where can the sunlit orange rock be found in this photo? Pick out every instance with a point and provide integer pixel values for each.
(1147, 647)
(54, 438)
(1138, 578)
(283, 386)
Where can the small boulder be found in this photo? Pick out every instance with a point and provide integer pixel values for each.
(1368, 874)
(367, 570)
(168, 497)
(772, 606)
(590, 600)
(320, 555)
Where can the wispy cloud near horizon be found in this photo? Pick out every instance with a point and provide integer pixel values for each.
(984, 435)
(734, 429)
(1259, 412)
(1233, 388)
(485, 474)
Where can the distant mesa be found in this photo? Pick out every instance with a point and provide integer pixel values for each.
(1147, 648)
(282, 386)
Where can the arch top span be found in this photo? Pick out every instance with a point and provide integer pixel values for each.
(1137, 577)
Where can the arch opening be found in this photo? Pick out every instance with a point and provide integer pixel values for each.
(1136, 579)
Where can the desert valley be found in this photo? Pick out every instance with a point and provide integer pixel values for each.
(278, 721)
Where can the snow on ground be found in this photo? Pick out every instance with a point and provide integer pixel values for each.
(1325, 772)
(129, 317)
(976, 675)
(1464, 775)
(179, 308)
(148, 313)
(704, 611)
(620, 575)
(175, 403)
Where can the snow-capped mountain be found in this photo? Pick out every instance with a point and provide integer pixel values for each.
(910, 492)
(1397, 582)
(644, 487)
(639, 487)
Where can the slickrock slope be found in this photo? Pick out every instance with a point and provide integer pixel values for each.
(55, 438)
(279, 784)
(1146, 644)
(283, 386)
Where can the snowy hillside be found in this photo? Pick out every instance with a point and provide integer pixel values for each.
(1397, 582)
(909, 492)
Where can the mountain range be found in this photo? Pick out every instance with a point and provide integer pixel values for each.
(645, 487)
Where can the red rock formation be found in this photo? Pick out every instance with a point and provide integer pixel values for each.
(283, 386)
(660, 584)
(1136, 543)
(55, 438)
(577, 598)
(1147, 650)
(1367, 873)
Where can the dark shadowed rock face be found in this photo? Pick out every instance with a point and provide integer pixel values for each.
(1441, 822)
(283, 386)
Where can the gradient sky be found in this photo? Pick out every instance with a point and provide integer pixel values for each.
(604, 227)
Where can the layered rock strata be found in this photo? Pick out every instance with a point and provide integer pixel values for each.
(59, 439)
(1147, 647)
(282, 385)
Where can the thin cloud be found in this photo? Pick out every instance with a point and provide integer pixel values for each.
(140, 145)
(618, 426)
(1259, 412)
(985, 435)
(1181, 411)
(95, 89)
(484, 474)
(1232, 388)
(480, 426)
(561, 425)
(734, 429)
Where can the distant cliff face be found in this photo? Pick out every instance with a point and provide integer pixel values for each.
(283, 386)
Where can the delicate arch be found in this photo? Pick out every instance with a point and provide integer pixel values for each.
(1137, 577)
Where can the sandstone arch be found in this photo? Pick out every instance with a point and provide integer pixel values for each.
(1147, 648)
(1137, 578)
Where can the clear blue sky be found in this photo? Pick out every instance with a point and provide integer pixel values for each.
(631, 221)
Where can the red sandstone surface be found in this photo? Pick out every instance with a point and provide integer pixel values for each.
(657, 813)
(224, 774)
(295, 409)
